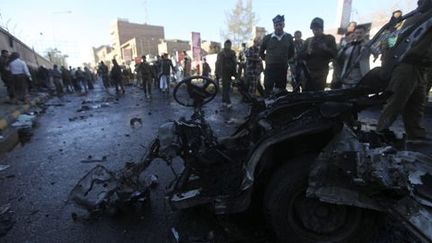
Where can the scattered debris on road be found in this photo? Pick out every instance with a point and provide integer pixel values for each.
(91, 160)
(79, 118)
(4, 167)
(84, 108)
(135, 122)
(56, 105)
(24, 121)
(103, 191)
(152, 180)
(6, 219)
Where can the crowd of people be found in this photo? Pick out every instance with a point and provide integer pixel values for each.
(19, 79)
(410, 78)
(274, 57)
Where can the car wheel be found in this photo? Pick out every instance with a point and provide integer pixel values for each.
(295, 218)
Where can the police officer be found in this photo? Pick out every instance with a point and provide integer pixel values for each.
(408, 80)
(276, 49)
(317, 52)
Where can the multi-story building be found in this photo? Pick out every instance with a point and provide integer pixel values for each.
(210, 47)
(146, 37)
(173, 46)
(102, 53)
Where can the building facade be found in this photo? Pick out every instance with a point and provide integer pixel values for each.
(173, 46)
(103, 53)
(146, 37)
(13, 44)
(210, 47)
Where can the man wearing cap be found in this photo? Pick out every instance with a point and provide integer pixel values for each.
(276, 49)
(317, 52)
(408, 78)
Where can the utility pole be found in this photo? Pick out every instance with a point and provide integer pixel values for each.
(343, 17)
(145, 11)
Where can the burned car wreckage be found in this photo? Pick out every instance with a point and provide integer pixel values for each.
(302, 157)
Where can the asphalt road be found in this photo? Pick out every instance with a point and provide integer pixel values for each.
(44, 170)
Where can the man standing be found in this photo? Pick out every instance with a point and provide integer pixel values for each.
(187, 65)
(241, 62)
(226, 64)
(338, 61)
(19, 76)
(166, 67)
(408, 78)
(80, 78)
(157, 71)
(4, 72)
(102, 71)
(206, 70)
(56, 76)
(317, 52)
(88, 76)
(352, 72)
(276, 49)
(296, 65)
(116, 76)
(254, 67)
(146, 72)
(67, 80)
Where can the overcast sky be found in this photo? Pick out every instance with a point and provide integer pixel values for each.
(75, 26)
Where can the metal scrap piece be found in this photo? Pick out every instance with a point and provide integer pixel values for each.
(101, 190)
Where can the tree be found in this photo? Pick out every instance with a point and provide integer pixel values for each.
(240, 22)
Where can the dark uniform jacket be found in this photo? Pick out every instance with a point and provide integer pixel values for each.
(226, 63)
(145, 70)
(318, 51)
(277, 52)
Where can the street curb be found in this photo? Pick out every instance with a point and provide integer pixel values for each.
(9, 141)
(11, 118)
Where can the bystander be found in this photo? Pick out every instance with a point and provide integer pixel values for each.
(19, 76)
(276, 49)
(226, 64)
(318, 51)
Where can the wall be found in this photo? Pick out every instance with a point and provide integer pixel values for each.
(12, 44)
(147, 36)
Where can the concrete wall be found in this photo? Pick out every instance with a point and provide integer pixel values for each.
(12, 44)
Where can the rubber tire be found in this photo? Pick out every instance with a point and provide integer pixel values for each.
(285, 183)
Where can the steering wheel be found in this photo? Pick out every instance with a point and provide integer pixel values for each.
(195, 91)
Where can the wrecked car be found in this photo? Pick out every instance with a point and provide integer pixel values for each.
(300, 157)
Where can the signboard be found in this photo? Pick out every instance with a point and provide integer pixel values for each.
(127, 54)
(196, 46)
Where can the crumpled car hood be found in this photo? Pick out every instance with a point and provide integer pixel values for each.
(348, 172)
